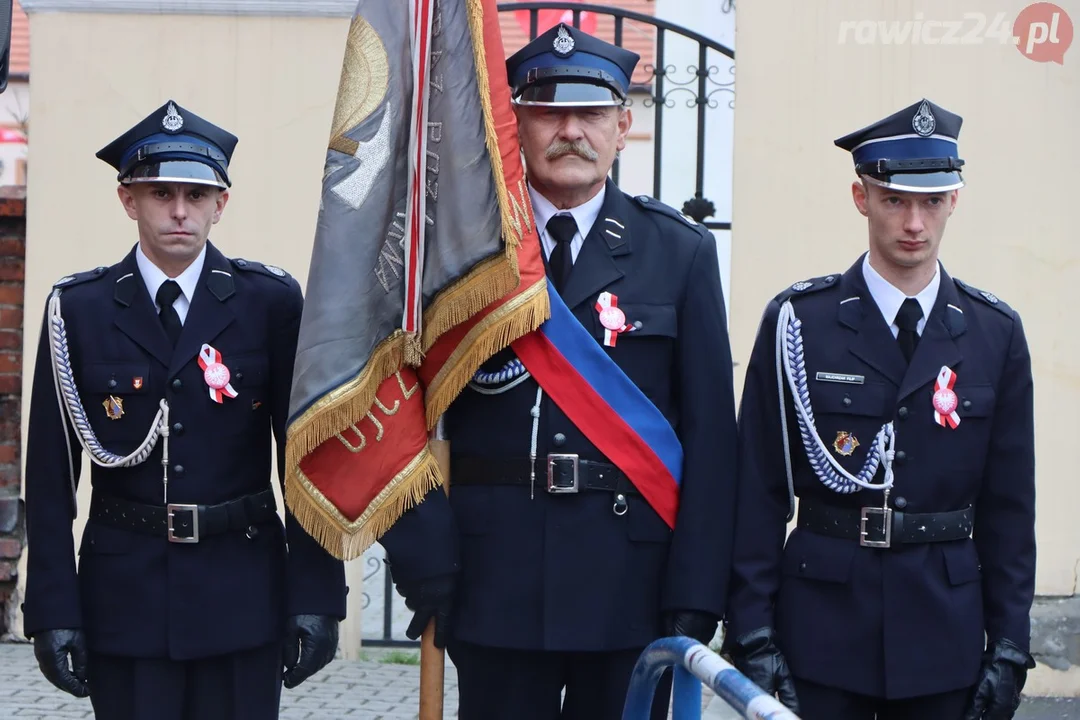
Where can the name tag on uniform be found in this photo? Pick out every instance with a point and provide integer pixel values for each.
(841, 378)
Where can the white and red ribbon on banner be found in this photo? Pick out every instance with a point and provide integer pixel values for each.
(611, 317)
(945, 400)
(215, 374)
(421, 18)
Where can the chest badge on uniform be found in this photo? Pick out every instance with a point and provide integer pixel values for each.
(136, 382)
(845, 443)
(945, 401)
(612, 318)
(114, 407)
(216, 374)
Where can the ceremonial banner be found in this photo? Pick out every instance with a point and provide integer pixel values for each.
(425, 263)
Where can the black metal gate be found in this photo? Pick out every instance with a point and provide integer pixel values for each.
(662, 86)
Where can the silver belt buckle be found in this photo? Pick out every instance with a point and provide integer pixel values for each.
(886, 514)
(171, 510)
(552, 487)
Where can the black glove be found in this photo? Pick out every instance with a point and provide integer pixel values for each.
(756, 656)
(428, 599)
(1004, 672)
(51, 648)
(700, 626)
(310, 644)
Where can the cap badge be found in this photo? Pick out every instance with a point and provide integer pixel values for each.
(924, 122)
(172, 121)
(564, 44)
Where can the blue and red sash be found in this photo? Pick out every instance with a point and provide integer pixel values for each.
(602, 402)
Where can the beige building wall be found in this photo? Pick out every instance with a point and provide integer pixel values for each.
(1015, 228)
(271, 80)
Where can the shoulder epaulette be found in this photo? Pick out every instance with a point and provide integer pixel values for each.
(648, 203)
(805, 287)
(986, 296)
(79, 278)
(252, 266)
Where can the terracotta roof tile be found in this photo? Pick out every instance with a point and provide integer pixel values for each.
(20, 41)
(636, 36)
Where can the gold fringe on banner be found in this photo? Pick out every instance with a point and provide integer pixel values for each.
(345, 539)
(518, 317)
(475, 9)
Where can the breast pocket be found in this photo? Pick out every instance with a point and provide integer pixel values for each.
(848, 417)
(249, 376)
(975, 401)
(867, 400)
(645, 350)
(118, 399)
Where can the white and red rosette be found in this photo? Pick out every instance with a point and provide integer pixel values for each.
(611, 317)
(945, 400)
(215, 373)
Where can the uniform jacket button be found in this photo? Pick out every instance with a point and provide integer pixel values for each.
(559, 440)
(901, 457)
(178, 428)
(176, 384)
(902, 413)
(847, 401)
(802, 567)
(112, 383)
(900, 503)
(967, 404)
(178, 469)
(239, 376)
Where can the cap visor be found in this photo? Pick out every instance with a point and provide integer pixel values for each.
(932, 182)
(182, 171)
(568, 94)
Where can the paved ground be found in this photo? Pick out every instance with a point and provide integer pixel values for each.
(372, 689)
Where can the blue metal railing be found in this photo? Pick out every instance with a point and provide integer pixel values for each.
(695, 665)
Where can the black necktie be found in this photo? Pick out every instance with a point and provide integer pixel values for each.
(166, 296)
(907, 319)
(561, 228)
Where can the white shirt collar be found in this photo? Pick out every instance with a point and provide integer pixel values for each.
(889, 298)
(584, 215)
(153, 276)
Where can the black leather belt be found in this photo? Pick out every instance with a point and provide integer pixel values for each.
(882, 527)
(561, 473)
(184, 523)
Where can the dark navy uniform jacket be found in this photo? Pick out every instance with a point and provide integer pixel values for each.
(564, 572)
(135, 594)
(908, 620)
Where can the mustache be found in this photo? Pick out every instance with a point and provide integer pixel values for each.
(581, 148)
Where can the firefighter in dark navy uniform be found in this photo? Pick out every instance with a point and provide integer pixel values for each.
(171, 370)
(906, 430)
(566, 577)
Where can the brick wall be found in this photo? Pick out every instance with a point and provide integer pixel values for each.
(12, 260)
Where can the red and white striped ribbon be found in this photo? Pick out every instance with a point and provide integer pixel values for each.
(611, 317)
(945, 400)
(215, 374)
